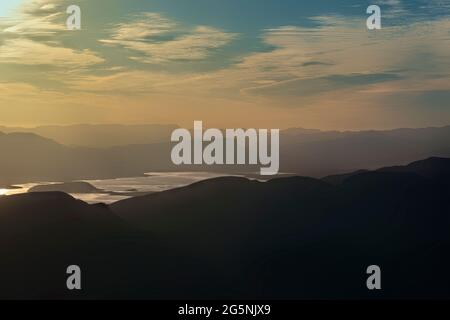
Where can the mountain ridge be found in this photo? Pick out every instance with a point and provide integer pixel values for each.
(28, 158)
(237, 238)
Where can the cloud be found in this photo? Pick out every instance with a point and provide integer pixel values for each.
(195, 46)
(37, 17)
(333, 74)
(159, 40)
(45, 25)
(315, 63)
(434, 8)
(29, 52)
(145, 27)
(32, 37)
(315, 86)
(337, 55)
(392, 9)
(134, 82)
(344, 48)
(41, 7)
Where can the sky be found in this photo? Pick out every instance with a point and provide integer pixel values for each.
(233, 63)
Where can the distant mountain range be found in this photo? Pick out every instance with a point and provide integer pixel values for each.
(27, 157)
(100, 135)
(293, 238)
(324, 153)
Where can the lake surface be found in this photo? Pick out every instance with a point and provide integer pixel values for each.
(124, 187)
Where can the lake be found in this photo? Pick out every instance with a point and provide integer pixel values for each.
(124, 187)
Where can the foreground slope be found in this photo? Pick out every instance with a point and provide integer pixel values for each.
(41, 234)
(304, 238)
(236, 238)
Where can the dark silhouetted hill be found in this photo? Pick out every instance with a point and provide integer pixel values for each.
(304, 238)
(68, 187)
(292, 238)
(431, 168)
(434, 167)
(41, 234)
(339, 178)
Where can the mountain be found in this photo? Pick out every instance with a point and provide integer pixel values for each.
(329, 153)
(434, 167)
(304, 238)
(55, 211)
(337, 179)
(100, 135)
(41, 234)
(29, 158)
(292, 238)
(69, 187)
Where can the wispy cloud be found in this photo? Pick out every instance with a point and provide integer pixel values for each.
(31, 37)
(145, 36)
(29, 52)
(36, 17)
(144, 27)
(345, 49)
(41, 7)
(337, 55)
(44, 25)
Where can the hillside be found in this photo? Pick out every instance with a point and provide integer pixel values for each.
(282, 238)
(236, 238)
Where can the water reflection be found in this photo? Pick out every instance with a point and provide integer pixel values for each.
(123, 188)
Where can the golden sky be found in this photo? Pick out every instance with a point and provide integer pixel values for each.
(227, 63)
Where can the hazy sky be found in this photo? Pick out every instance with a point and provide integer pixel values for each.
(230, 63)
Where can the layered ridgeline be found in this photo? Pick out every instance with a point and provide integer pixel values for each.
(236, 238)
(100, 135)
(27, 157)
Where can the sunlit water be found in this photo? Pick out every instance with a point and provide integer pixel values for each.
(151, 182)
